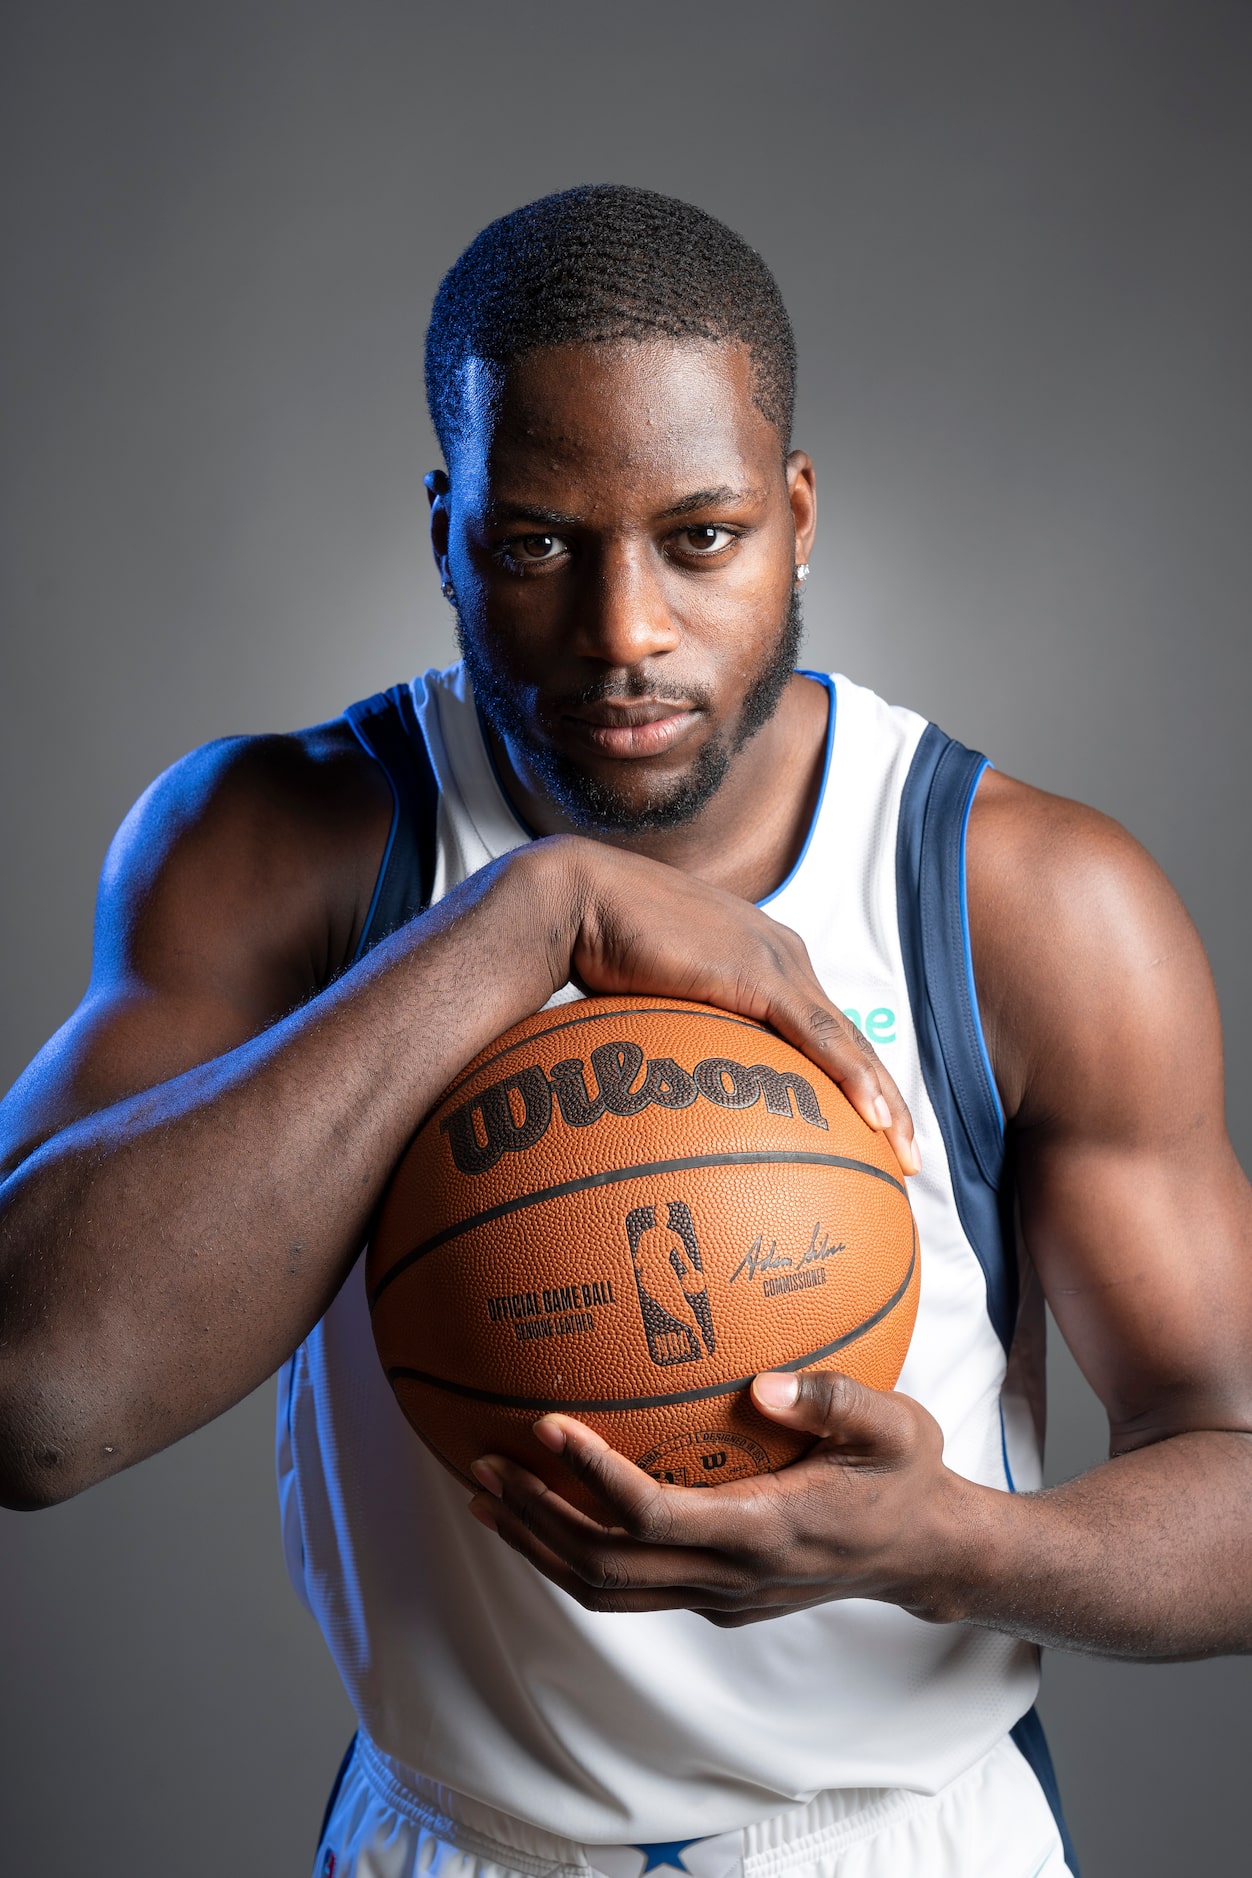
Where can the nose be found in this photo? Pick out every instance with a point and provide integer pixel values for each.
(623, 616)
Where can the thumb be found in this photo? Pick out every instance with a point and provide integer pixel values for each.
(826, 1403)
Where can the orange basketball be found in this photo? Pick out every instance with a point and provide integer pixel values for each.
(624, 1209)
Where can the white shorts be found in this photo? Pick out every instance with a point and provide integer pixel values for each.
(993, 1821)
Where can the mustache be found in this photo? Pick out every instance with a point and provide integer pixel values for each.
(625, 687)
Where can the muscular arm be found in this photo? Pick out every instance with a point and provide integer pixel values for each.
(1103, 1025)
(190, 1165)
(1103, 1028)
(192, 1170)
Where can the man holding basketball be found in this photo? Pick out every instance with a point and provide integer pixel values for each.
(832, 1666)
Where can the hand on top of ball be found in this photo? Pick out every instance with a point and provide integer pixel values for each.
(869, 1512)
(642, 926)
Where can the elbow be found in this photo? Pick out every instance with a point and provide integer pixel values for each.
(43, 1460)
(31, 1482)
(35, 1477)
(17, 1495)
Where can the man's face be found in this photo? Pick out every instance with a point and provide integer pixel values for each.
(621, 532)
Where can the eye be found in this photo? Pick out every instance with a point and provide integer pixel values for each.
(531, 550)
(707, 538)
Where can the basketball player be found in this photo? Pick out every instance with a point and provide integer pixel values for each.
(626, 787)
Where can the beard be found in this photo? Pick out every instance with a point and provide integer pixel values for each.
(591, 803)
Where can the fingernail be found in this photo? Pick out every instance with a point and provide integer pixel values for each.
(776, 1389)
(551, 1434)
(484, 1515)
(882, 1114)
(913, 1156)
(486, 1476)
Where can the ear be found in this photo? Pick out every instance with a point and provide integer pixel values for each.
(438, 491)
(802, 494)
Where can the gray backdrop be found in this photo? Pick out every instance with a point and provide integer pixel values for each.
(1014, 239)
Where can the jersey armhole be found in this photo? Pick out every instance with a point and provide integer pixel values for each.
(934, 937)
(388, 729)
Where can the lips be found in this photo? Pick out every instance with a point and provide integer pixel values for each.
(645, 727)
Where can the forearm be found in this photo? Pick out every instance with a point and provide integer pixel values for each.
(1148, 1556)
(160, 1258)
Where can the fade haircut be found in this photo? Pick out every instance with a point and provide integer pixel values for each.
(605, 262)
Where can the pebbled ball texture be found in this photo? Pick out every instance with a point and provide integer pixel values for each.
(626, 1208)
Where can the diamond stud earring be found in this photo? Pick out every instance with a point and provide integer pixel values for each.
(449, 592)
(802, 571)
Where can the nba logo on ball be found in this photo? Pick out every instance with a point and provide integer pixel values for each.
(625, 1209)
(675, 1273)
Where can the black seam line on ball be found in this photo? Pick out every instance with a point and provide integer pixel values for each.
(609, 1177)
(597, 1017)
(609, 1404)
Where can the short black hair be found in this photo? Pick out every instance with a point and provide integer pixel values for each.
(604, 262)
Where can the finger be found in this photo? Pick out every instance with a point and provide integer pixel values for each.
(847, 1056)
(491, 1513)
(606, 1558)
(601, 1583)
(607, 1591)
(852, 1421)
(861, 1075)
(734, 1521)
(899, 1131)
(630, 1497)
(760, 1613)
(762, 970)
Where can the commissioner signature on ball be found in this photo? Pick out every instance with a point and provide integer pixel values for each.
(757, 1259)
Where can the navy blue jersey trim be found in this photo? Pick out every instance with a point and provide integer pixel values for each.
(989, 1081)
(387, 727)
(945, 929)
(372, 912)
(1031, 1743)
(934, 938)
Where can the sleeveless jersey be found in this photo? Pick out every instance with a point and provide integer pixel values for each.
(461, 1660)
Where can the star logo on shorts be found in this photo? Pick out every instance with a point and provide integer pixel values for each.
(665, 1852)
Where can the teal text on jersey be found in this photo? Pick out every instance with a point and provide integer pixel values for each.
(879, 1025)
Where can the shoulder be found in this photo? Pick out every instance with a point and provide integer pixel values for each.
(316, 782)
(269, 840)
(1087, 965)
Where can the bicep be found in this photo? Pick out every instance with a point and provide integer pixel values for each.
(1132, 1205)
(210, 924)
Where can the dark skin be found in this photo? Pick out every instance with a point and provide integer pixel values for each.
(640, 576)
(189, 1166)
(138, 1302)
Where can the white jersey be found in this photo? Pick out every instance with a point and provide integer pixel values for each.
(466, 1664)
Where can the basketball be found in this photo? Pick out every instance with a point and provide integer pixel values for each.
(624, 1209)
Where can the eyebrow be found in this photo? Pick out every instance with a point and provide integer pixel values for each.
(721, 497)
(497, 513)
